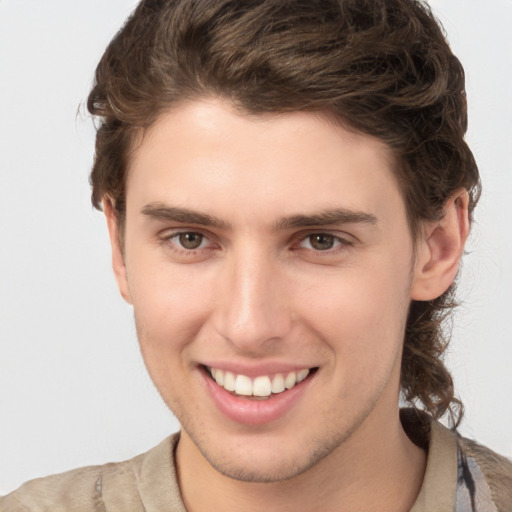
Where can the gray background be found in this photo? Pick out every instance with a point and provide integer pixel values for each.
(73, 390)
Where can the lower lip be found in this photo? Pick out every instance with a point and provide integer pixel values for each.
(254, 412)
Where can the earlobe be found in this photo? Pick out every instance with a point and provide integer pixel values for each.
(118, 261)
(440, 249)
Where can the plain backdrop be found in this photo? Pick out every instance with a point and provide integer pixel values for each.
(73, 389)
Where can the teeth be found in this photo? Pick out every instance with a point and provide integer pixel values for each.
(229, 381)
(278, 384)
(219, 377)
(261, 386)
(301, 375)
(243, 385)
(290, 380)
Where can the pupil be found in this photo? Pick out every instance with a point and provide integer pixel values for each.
(322, 242)
(191, 240)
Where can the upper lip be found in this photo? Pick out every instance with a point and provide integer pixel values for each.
(255, 370)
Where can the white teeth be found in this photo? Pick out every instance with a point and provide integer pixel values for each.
(278, 384)
(261, 386)
(301, 375)
(219, 377)
(290, 380)
(243, 385)
(229, 381)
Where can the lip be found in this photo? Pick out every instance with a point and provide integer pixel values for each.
(253, 371)
(250, 411)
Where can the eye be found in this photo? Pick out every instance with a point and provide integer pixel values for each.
(321, 242)
(188, 246)
(189, 240)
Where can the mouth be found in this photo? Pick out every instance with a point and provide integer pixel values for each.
(261, 387)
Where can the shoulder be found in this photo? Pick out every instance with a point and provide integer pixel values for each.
(480, 462)
(460, 474)
(80, 490)
(113, 486)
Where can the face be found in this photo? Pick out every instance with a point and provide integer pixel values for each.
(269, 261)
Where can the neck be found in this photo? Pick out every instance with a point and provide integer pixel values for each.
(376, 468)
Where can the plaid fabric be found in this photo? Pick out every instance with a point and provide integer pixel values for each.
(473, 493)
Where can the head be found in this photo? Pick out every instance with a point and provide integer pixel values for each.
(380, 68)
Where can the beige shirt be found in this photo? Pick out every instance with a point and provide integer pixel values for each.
(148, 483)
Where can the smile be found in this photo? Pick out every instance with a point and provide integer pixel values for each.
(261, 386)
(257, 398)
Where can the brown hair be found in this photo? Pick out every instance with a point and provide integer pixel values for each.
(381, 67)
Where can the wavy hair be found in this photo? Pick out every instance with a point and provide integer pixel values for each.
(380, 67)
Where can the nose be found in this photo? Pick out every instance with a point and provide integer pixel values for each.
(252, 310)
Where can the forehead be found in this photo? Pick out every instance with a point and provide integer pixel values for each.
(207, 156)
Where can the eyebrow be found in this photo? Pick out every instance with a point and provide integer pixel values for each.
(160, 211)
(327, 217)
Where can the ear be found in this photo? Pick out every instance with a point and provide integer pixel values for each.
(440, 249)
(118, 263)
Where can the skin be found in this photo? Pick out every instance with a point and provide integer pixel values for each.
(260, 290)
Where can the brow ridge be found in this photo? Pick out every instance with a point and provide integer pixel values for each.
(327, 217)
(160, 211)
(336, 216)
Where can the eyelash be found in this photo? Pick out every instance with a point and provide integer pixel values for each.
(341, 244)
(175, 245)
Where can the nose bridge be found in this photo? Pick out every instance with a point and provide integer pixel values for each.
(253, 309)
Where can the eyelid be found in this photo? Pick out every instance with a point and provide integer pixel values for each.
(337, 241)
(339, 235)
(166, 237)
(202, 241)
(343, 242)
(169, 232)
(344, 239)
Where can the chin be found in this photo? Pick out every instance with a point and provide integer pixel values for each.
(273, 464)
(262, 472)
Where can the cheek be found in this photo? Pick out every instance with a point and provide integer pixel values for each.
(361, 315)
(170, 307)
(169, 312)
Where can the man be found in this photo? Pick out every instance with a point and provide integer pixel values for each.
(288, 194)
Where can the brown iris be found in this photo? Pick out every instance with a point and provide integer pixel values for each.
(321, 241)
(190, 240)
